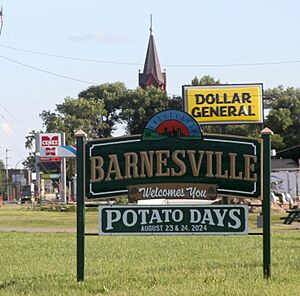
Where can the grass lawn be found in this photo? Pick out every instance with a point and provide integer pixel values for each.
(23, 216)
(45, 263)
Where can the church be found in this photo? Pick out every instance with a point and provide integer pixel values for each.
(152, 74)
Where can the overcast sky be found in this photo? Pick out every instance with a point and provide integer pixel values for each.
(234, 41)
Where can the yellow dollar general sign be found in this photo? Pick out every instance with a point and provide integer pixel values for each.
(225, 104)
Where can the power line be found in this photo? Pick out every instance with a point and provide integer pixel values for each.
(46, 71)
(165, 65)
(287, 149)
(70, 58)
(236, 64)
(15, 119)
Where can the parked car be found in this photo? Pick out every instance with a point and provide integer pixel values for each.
(26, 193)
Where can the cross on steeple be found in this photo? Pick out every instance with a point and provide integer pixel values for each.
(151, 24)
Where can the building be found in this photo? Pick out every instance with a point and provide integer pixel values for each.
(285, 176)
(152, 75)
(11, 189)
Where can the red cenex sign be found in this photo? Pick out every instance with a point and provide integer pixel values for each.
(49, 144)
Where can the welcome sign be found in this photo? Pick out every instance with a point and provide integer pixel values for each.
(174, 159)
(241, 103)
(173, 150)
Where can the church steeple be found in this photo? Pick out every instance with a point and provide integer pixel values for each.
(152, 74)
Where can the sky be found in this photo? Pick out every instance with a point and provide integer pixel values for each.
(50, 50)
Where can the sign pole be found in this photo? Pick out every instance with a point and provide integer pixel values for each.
(63, 173)
(37, 189)
(80, 135)
(266, 135)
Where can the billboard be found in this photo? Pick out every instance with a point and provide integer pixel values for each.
(224, 104)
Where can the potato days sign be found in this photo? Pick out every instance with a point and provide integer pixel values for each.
(149, 220)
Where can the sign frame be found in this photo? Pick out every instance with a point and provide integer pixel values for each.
(209, 139)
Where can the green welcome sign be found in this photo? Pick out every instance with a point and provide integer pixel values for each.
(173, 150)
(173, 159)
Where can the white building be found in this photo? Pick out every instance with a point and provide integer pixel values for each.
(285, 176)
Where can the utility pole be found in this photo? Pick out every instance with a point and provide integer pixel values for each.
(6, 166)
(37, 167)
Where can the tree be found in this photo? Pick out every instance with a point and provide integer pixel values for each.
(140, 105)
(30, 160)
(205, 80)
(175, 102)
(111, 94)
(284, 120)
(73, 114)
(69, 116)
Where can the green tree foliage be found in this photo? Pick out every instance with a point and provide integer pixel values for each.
(140, 105)
(175, 102)
(73, 114)
(111, 94)
(205, 80)
(30, 161)
(284, 120)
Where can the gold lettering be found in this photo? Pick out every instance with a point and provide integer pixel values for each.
(249, 167)
(219, 166)
(195, 167)
(232, 157)
(97, 172)
(161, 161)
(113, 168)
(179, 162)
(146, 162)
(131, 161)
(209, 155)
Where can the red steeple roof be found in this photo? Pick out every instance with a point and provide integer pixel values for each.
(152, 74)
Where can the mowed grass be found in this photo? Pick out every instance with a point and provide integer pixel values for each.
(45, 264)
(24, 216)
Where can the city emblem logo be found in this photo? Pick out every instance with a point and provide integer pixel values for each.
(172, 123)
